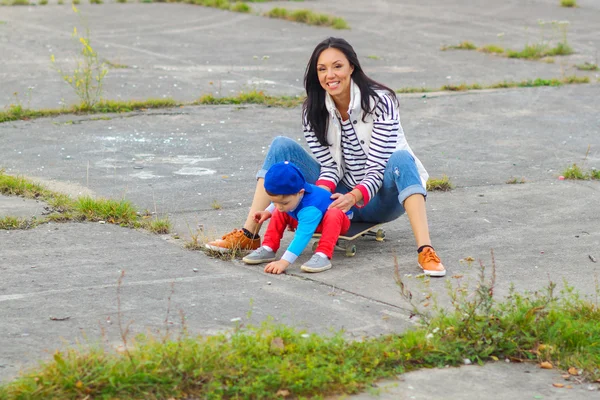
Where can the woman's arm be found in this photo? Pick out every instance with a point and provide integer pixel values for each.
(384, 140)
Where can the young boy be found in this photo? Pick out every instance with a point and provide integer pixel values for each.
(304, 207)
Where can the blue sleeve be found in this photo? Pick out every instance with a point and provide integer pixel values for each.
(308, 220)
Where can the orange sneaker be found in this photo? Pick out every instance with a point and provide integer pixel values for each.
(234, 240)
(431, 263)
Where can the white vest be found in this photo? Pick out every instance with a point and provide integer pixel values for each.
(363, 130)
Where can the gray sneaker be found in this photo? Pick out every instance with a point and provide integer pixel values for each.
(259, 256)
(316, 263)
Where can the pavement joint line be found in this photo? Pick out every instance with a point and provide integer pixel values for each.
(380, 302)
(19, 296)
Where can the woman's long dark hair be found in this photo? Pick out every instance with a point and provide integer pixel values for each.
(314, 106)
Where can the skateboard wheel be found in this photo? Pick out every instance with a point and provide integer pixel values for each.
(350, 251)
(314, 246)
(380, 235)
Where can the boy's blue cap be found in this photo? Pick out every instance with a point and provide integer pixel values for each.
(285, 178)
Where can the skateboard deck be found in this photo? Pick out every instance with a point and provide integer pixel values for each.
(356, 230)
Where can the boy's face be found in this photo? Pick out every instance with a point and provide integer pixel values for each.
(287, 202)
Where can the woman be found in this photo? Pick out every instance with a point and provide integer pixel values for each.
(352, 127)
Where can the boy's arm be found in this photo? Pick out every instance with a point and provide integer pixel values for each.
(308, 221)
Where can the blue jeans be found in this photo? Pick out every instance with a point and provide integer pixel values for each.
(400, 180)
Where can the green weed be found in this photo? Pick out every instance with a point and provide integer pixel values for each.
(466, 45)
(240, 6)
(415, 90)
(308, 17)
(575, 172)
(61, 203)
(252, 97)
(160, 226)
(514, 181)
(88, 76)
(63, 208)
(19, 186)
(491, 48)
(11, 223)
(115, 65)
(587, 67)
(120, 212)
(216, 205)
(541, 50)
(568, 3)
(442, 184)
(373, 57)
(20, 2)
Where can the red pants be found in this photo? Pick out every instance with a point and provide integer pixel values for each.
(334, 223)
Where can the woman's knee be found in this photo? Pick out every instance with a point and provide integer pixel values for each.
(401, 159)
(282, 143)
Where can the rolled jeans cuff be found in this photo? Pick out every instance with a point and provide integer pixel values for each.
(409, 191)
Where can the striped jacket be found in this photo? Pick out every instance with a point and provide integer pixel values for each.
(380, 135)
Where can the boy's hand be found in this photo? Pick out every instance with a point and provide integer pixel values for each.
(277, 267)
(261, 216)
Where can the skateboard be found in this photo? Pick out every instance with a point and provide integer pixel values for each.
(356, 230)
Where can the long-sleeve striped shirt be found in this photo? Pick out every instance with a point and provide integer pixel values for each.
(361, 171)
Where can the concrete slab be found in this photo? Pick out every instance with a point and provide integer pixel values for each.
(170, 48)
(19, 207)
(495, 381)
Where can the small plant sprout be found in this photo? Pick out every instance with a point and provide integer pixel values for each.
(216, 205)
(88, 76)
(514, 181)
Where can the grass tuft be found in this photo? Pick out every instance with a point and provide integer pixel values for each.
(568, 3)
(308, 17)
(442, 184)
(491, 49)
(63, 208)
(252, 97)
(11, 223)
(514, 181)
(159, 226)
(466, 45)
(240, 6)
(587, 67)
(120, 212)
(575, 172)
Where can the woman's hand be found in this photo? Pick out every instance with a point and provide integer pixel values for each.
(342, 201)
(261, 216)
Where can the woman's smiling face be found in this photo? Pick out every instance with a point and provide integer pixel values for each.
(334, 71)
